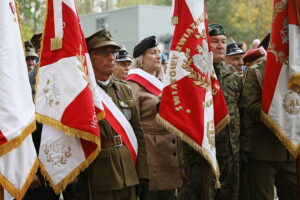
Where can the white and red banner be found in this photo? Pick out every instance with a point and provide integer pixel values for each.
(119, 123)
(18, 159)
(281, 94)
(192, 94)
(148, 81)
(67, 102)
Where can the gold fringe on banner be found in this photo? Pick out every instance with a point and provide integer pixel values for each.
(225, 121)
(56, 43)
(172, 129)
(19, 194)
(68, 130)
(72, 175)
(295, 151)
(17, 141)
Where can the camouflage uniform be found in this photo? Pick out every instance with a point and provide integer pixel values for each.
(200, 184)
(227, 141)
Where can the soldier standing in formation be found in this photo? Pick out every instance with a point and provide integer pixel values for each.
(269, 163)
(199, 183)
(113, 175)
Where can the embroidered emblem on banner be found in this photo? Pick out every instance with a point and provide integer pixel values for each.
(291, 103)
(51, 92)
(57, 154)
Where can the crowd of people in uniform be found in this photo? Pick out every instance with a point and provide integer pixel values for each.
(251, 159)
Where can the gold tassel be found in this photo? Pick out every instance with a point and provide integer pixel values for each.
(217, 184)
(56, 43)
(174, 20)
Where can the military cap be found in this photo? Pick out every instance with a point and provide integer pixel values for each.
(36, 40)
(29, 49)
(99, 39)
(254, 54)
(233, 49)
(215, 29)
(142, 46)
(123, 56)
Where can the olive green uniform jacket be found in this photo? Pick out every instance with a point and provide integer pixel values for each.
(114, 169)
(259, 141)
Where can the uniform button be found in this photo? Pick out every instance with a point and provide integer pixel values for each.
(174, 141)
(174, 154)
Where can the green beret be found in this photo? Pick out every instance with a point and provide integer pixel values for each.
(142, 46)
(215, 29)
(100, 39)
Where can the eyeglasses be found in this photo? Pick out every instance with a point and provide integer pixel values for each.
(105, 53)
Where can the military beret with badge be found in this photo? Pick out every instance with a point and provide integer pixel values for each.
(142, 46)
(215, 29)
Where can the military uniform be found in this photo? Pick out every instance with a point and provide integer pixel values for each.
(269, 162)
(200, 185)
(227, 141)
(113, 171)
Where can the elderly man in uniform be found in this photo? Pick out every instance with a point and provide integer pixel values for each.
(227, 141)
(113, 175)
(200, 183)
(234, 57)
(123, 62)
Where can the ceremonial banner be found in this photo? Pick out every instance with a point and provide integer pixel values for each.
(66, 96)
(18, 159)
(192, 92)
(281, 96)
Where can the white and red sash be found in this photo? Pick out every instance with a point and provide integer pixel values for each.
(148, 81)
(119, 123)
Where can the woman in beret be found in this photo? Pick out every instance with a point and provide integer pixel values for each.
(163, 148)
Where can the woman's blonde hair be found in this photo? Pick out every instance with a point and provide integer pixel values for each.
(138, 63)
